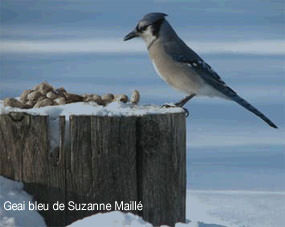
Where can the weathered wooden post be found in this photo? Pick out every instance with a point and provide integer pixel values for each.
(99, 159)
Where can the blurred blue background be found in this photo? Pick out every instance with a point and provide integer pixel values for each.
(78, 45)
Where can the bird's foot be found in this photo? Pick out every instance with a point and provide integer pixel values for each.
(168, 105)
(174, 106)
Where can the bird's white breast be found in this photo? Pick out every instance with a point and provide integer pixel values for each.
(156, 70)
(181, 76)
(176, 75)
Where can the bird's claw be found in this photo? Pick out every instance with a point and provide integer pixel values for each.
(186, 111)
(168, 106)
(173, 106)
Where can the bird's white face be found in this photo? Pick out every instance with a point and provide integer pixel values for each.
(147, 35)
(149, 32)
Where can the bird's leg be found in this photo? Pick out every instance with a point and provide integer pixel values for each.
(181, 103)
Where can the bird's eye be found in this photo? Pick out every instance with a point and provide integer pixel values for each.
(143, 28)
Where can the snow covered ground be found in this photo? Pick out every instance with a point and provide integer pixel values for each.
(204, 209)
(212, 209)
(236, 208)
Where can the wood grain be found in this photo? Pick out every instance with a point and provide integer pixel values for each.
(99, 159)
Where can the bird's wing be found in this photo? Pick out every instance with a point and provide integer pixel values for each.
(183, 54)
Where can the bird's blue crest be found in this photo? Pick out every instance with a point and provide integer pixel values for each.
(151, 18)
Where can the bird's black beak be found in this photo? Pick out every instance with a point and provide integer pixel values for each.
(131, 35)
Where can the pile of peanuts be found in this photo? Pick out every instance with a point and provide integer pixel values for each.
(46, 95)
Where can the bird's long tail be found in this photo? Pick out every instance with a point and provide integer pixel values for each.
(252, 109)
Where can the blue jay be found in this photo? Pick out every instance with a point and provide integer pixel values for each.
(182, 68)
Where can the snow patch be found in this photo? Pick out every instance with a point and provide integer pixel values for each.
(92, 108)
(13, 192)
(114, 219)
